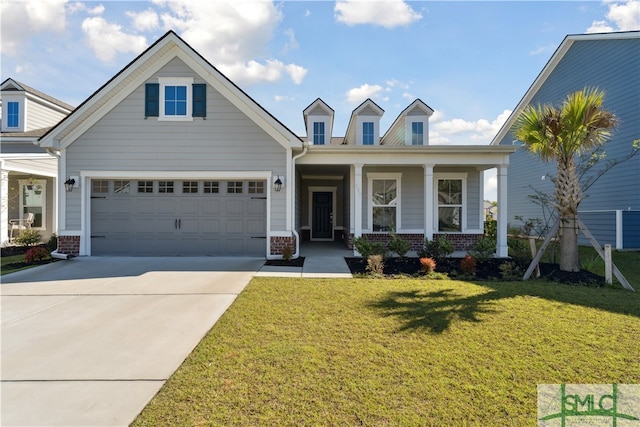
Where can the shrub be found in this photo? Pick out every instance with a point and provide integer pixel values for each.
(483, 249)
(519, 250)
(511, 271)
(52, 243)
(427, 265)
(29, 237)
(375, 265)
(491, 229)
(367, 248)
(36, 254)
(287, 253)
(468, 265)
(398, 245)
(439, 247)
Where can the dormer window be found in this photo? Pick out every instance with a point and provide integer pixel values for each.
(367, 133)
(13, 114)
(417, 133)
(318, 133)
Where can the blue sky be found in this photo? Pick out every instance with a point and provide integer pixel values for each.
(470, 61)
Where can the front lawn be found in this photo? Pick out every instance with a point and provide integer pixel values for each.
(380, 352)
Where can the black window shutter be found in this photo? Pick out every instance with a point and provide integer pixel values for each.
(199, 100)
(152, 100)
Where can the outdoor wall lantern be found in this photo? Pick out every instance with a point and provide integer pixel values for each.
(68, 184)
(277, 184)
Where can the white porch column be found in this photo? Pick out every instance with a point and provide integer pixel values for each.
(4, 204)
(502, 250)
(357, 208)
(428, 201)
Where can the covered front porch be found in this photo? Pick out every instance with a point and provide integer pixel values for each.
(344, 192)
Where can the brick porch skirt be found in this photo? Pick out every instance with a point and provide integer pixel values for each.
(277, 244)
(461, 242)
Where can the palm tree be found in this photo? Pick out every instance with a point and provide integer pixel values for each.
(578, 126)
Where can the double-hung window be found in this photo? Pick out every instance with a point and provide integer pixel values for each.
(451, 202)
(367, 133)
(318, 133)
(417, 133)
(384, 201)
(13, 114)
(33, 199)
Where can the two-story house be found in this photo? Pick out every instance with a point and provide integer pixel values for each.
(171, 157)
(28, 173)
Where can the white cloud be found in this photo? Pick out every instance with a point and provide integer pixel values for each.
(21, 20)
(107, 40)
(147, 20)
(621, 16)
(98, 10)
(388, 13)
(232, 36)
(600, 27)
(541, 50)
(359, 94)
(271, 71)
(460, 131)
(283, 98)
(292, 44)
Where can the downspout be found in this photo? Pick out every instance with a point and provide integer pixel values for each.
(305, 145)
(55, 253)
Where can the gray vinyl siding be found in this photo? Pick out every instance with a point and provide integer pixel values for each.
(123, 140)
(40, 116)
(631, 229)
(613, 66)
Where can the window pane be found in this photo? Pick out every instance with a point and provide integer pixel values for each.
(417, 133)
(121, 187)
(190, 187)
(449, 218)
(100, 186)
(384, 192)
(234, 187)
(367, 133)
(37, 215)
(449, 192)
(384, 219)
(318, 133)
(145, 186)
(13, 114)
(211, 187)
(165, 187)
(256, 187)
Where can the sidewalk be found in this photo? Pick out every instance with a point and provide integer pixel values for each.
(318, 267)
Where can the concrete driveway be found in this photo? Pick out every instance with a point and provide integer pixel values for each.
(89, 341)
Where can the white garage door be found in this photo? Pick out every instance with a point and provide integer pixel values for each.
(172, 217)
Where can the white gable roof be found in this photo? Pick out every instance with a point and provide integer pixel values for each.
(548, 69)
(142, 68)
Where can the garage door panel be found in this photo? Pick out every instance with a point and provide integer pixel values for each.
(178, 223)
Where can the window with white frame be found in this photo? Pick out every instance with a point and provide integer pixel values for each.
(13, 114)
(417, 133)
(451, 196)
(367, 133)
(384, 201)
(33, 199)
(175, 98)
(318, 133)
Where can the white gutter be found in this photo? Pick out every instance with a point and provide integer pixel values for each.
(305, 145)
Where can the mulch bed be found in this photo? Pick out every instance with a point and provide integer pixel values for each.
(488, 270)
(22, 264)
(298, 262)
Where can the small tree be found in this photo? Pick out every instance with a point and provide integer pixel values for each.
(560, 134)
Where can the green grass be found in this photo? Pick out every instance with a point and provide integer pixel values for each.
(353, 352)
(7, 261)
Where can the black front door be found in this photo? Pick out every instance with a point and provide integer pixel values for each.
(322, 227)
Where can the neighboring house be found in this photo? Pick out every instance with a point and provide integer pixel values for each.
(28, 183)
(610, 62)
(170, 157)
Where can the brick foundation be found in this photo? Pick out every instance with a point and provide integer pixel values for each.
(461, 242)
(69, 245)
(278, 243)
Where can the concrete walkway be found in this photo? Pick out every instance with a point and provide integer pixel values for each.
(89, 341)
(322, 260)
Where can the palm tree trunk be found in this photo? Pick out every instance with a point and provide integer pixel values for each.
(568, 197)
